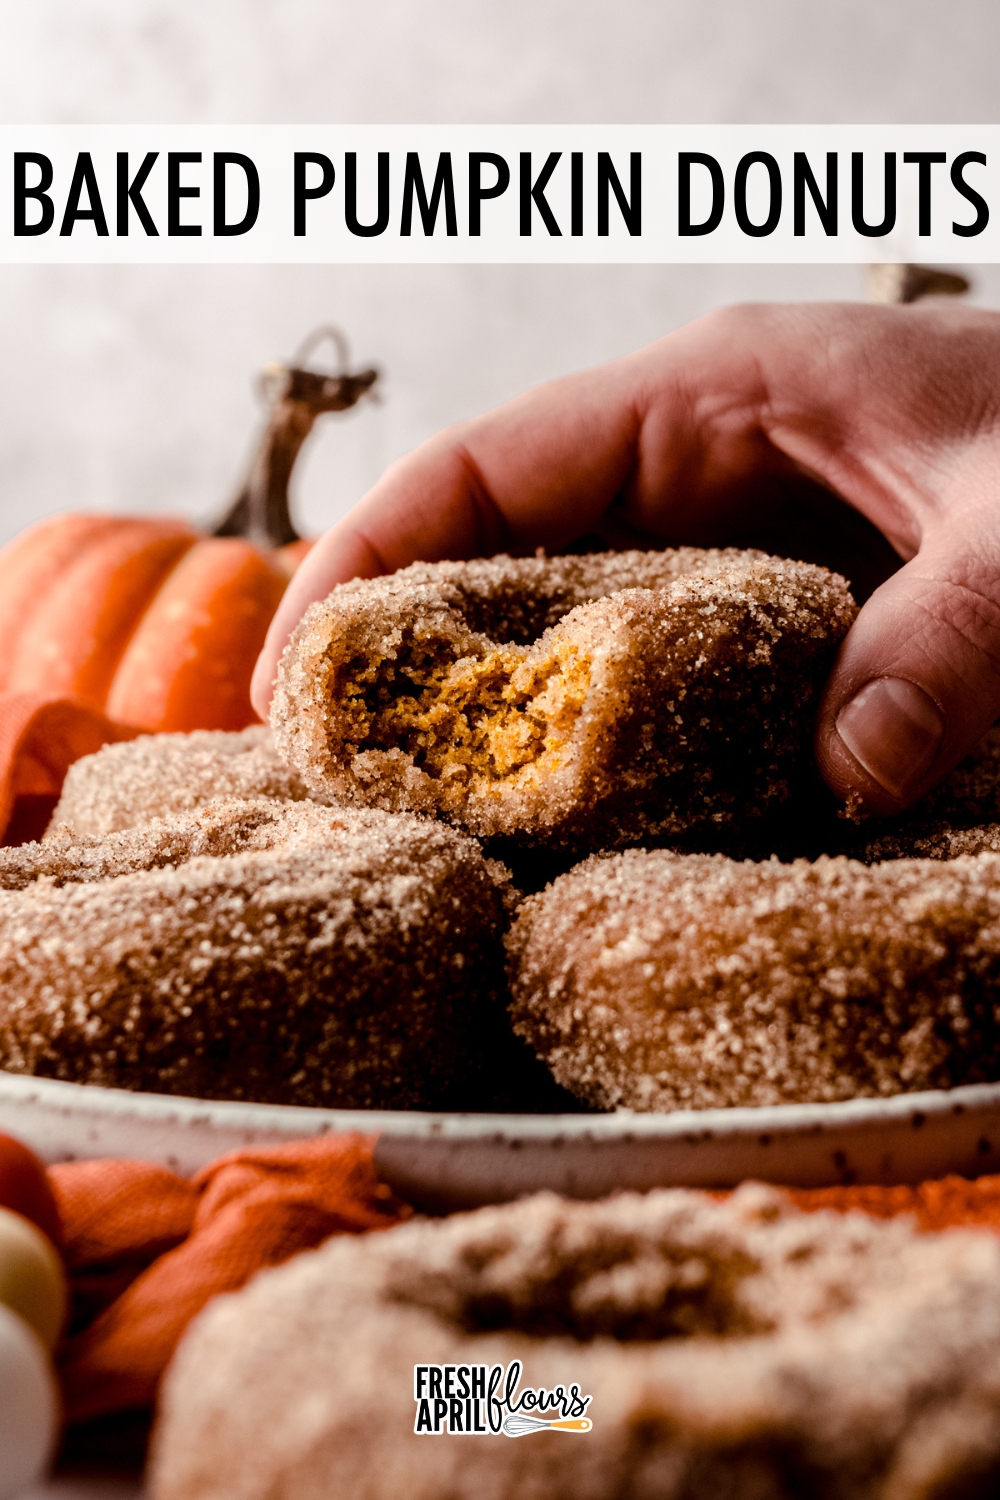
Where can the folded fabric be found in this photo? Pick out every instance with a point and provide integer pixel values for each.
(146, 1250)
(943, 1203)
(40, 738)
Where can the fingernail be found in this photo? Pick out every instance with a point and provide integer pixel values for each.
(894, 730)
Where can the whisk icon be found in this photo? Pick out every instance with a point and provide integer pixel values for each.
(518, 1425)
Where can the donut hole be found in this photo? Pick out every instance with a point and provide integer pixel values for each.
(515, 613)
(628, 1288)
(466, 715)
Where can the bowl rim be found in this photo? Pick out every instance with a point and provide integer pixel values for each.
(304, 1120)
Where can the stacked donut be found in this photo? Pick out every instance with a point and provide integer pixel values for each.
(653, 713)
(571, 703)
(255, 946)
(321, 917)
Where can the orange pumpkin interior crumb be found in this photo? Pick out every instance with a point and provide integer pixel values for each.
(471, 718)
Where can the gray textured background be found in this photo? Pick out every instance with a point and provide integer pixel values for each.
(131, 388)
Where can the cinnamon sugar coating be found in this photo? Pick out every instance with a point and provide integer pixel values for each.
(970, 794)
(656, 981)
(227, 825)
(572, 701)
(733, 1349)
(281, 952)
(934, 841)
(960, 816)
(122, 786)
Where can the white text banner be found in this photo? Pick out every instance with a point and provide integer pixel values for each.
(439, 194)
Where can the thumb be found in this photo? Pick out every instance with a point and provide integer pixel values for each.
(917, 680)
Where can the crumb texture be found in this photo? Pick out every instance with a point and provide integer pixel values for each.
(276, 951)
(125, 785)
(656, 981)
(573, 702)
(735, 1348)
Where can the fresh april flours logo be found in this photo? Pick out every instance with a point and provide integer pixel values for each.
(468, 1399)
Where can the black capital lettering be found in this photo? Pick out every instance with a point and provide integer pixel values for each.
(477, 193)
(826, 207)
(923, 160)
(423, 1422)
(84, 176)
(872, 231)
(302, 194)
(443, 188)
(685, 161)
(367, 231)
(576, 193)
(175, 160)
(631, 207)
(534, 193)
(220, 161)
(770, 224)
(22, 192)
(979, 203)
(131, 192)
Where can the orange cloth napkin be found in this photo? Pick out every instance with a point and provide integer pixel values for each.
(945, 1203)
(146, 1249)
(40, 737)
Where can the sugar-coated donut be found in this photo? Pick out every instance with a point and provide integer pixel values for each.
(656, 981)
(736, 1349)
(933, 841)
(959, 816)
(583, 702)
(282, 952)
(123, 786)
(225, 825)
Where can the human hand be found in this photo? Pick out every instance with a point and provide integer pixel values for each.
(739, 429)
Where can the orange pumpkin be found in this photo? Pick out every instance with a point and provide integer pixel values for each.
(146, 619)
(141, 619)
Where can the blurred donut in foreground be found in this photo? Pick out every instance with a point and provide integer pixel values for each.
(579, 702)
(732, 1349)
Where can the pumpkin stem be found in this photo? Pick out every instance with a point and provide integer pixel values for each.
(903, 283)
(260, 511)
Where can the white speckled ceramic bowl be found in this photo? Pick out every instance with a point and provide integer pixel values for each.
(447, 1161)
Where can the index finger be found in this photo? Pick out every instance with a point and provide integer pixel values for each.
(536, 472)
(666, 435)
(539, 471)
